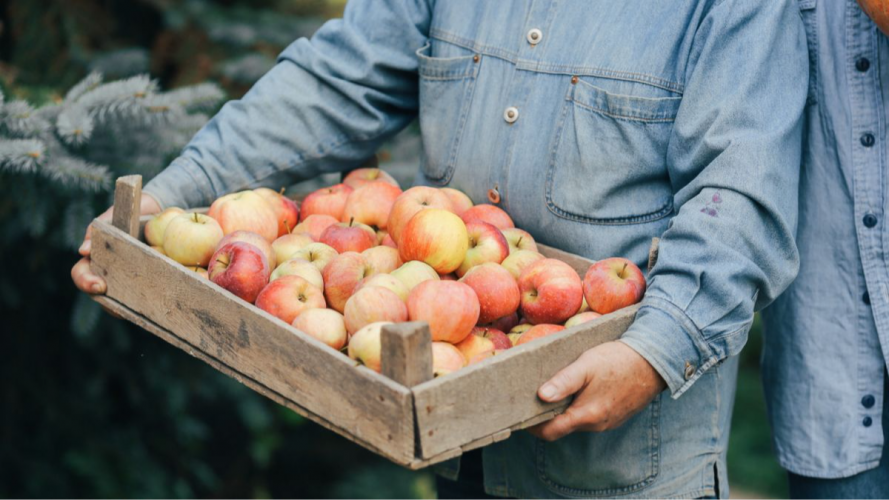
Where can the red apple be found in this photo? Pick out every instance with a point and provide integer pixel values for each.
(459, 201)
(388, 241)
(490, 214)
(519, 240)
(341, 276)
(613, 284)
(415, 272)
(191, 239)
(326, 325)
(436, 237)
(255, 240)
(240, 268)
(497, 291)
(286, 211)
(519, 260)
(551, 292)
(505, 323)
(386, 281)
(349, 237)
(154, 228)
(362, 176)
(409, 203)
(245, 211)
(299, 267)
(451, 308)
(365, 345)
(483, 340)
(314, 225)
(372, 304)
(382, 259)
(370, 204)
(581, 318)
(326, 201)
(286, 246)
(538, 331)
(446, 359)
(486, 245)
(318, 254)
(287, 297)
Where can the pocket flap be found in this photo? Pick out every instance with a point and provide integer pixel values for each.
(658, 109)
(445, 68)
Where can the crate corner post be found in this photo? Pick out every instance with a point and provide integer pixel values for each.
(127, 204)
(406, 354)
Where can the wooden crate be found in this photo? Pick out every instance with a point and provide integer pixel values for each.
(402, 414)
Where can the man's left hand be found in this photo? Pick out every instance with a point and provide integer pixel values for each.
(612, 382)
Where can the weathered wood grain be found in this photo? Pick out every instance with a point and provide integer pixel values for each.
(652, 253)
(580, 264)
(127, 204)
(449, 409)
(407, 353)
(355, 400)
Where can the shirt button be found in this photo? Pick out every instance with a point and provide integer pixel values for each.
(868, 401)
(866, 299)
(689, 370)
(867, 140)
(862, 64)
(867, 422)
(535, 36)
(511, 114)
(870, 220)
(494, 195)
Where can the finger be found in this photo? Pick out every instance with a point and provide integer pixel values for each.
(85, 280)
(87, 244)
(556, 428)
(565, 383)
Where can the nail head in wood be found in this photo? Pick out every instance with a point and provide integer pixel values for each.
(407, 353)
(127, 204)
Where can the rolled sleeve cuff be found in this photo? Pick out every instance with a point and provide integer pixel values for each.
(671, 343)
(183, 184)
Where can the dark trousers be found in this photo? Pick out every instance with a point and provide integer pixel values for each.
(469, 484)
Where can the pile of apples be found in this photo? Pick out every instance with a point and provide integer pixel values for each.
(363, 254)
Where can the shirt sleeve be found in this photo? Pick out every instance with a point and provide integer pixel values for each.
(327, 105)
(735, 152)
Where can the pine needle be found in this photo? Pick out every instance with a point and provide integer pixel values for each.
(21, 155)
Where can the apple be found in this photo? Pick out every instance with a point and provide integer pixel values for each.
(486, 244)
(246, 211)
(551, 292)
(342, 275)
(386, 281)
(287, 297)
(318, 254)
(517, 261)
(521, 328)
(361, 176)
(326, 325)
(581, 318)
(414, 272)
(437, 237)
(584, 307)
(159, 250)
(497, 291)
(326, 201)
(365, 345)
(372, 304)
(255, 240)
(286, 211)
(370, 204)
(538, 331)
(388, 241)
(519, 240)
(240, 268)
(299, 267)
(382, 259)
(286, 246)
(514, 337)
(200, 270)
(613, 284)
(446, 359)
(314, 225)
(155, 227)
(483, 340)
(459, 201)
(490, 214)
(349, 237)
(505, 323)
(191, 239)
(409, 203)
(451, 308)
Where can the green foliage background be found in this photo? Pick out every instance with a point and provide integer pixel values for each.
(91, 406)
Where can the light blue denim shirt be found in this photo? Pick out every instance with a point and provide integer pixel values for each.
(827, 337)
(600, 124)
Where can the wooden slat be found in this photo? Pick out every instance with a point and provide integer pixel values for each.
(127, 204)
(407, 353)
(482, 399)
(355, 400)
(580, 264)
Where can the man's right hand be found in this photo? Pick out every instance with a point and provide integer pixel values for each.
(83, 277)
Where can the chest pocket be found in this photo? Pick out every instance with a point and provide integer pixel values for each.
(608, 162)
(446, 89)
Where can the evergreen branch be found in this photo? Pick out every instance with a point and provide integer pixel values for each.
(75, 125)
(74, 172)
(89, 83)
(20, 120)
(21, 155)
(202, 97)
(121, 98)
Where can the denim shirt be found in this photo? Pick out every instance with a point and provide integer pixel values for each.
(598, 125)
(827, 337)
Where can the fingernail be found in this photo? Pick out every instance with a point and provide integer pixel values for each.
(96, 288)
(548, 391)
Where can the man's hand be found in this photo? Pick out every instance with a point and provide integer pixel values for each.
(83, 278)
(612, 382)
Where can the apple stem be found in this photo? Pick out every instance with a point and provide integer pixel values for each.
(281, 192)
(287, 226)
(622, 271)
(519, 241)
(351, 221)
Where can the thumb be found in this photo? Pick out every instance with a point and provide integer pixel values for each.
(565, 383)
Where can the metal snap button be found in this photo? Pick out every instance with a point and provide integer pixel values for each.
(476, 58)
(689, 370)
(511, 114)
(494, 195)
(535, 36)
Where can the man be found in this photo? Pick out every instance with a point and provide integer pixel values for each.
(597, 125)
(827, 337)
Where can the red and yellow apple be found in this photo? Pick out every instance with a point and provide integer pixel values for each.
(505, 323)
(245, 211)
(483, 340)
(370, 204)
(446, 359)
(490, 214)
(538, 331)
(326, 201)
(286, 211)
(365, 345)
(388, 241)
(581, 318)
(382, 259)
(341, 276)
(191, 239)
(451, 308)
(437, 237)
(373, 304)
(361, 176)
(287, 297)
(318, 254)
(286, 246)
(613, 284)
(519, 240)
(409, 203)
(386, 281)
(486, 245)
(349, 237)
(551, 292)
(314, 225)
(154, 228)
(299, 267)
(326, 325)
(459, 201)
(240, 268)
(414, 272)
(497, 291)
(255, 240)
(519, 260)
